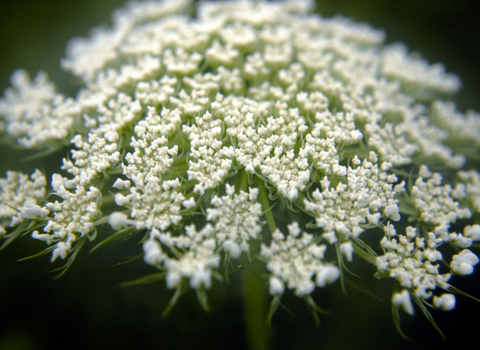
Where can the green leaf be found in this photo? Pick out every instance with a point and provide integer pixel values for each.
(182, 289)
(459, 292)
(364, 250)
(273, 308)
(396, 320)
(104, 219)
(72, 257)
(133, 258)
(42, 154)
(152, 278)
(12, 236)
(361, 289)
(342, 267)
(427, 314)
(21, 230)
(43, 252)
(116, 236)
(203, 299)
(314, 309)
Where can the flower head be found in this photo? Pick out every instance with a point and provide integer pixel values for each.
(213, 135)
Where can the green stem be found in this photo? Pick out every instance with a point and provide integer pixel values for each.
(255, 289)
(242, 181)
(256, 308)
(267, 209)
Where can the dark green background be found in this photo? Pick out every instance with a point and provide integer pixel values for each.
(87, 309)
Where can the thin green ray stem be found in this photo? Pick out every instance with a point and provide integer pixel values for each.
(267, 209)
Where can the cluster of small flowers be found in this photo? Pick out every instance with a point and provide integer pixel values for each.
(35, 114)
(153, 202)
(236, 219)
(295, 261)
(462, 129)
(414, 261)
(73, 217)
(315, 112)
(434, 202)
(420, 78)
(258, 138)
(20, 198)
(471, 181)
(212, 162)
(342, 211)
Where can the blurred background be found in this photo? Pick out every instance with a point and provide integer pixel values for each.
(87, 308)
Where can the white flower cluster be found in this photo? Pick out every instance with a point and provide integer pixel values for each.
(410, 260)
(195, 264)
(212, 162)
(87, 58)
(20, 197)
(193, 254)
(415, 263)
(295, 260)
(414, 259)
(461, 128)
(236, 218)
(316, 114)
(471, 180)
(35, 114)
(417, 76)
(367, 194)
(436, 205)
(154, 203)
(73, 217)
(435, 202)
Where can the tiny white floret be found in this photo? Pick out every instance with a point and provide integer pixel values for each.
(276, 285)
(327, 275)
(403, 300)
(445, 302)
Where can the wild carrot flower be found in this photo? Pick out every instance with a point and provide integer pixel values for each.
(255, 131)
